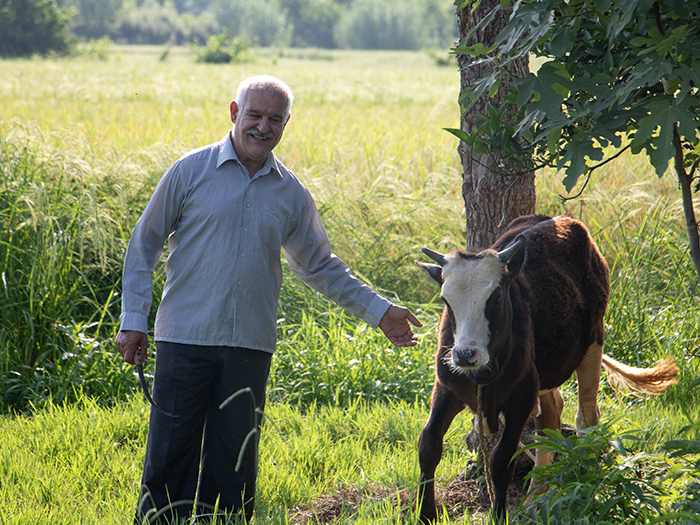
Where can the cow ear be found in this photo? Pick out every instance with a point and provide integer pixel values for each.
(433, 270)
(516, 259)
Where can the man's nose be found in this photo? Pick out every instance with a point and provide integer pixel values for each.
(264, 125)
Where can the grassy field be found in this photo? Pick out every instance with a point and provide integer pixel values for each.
(82, 145)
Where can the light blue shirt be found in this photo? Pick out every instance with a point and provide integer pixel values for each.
(224, 272)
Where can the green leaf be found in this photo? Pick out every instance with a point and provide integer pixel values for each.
(562, 41)
(526, 87)
(690, 76)
(609, 504)
(575, 154)
(553, 433)
(655, 131)
(550, 101)
(619, 446)
(494, 89)
(461, 135)
(475, 50)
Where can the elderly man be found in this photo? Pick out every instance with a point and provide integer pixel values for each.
(226, 210)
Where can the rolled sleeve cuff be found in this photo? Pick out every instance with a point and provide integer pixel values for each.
(375, 311)
(134, 321)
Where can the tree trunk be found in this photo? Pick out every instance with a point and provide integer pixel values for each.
(685, 181)
(490, 201)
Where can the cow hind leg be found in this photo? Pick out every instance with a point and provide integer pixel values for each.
(588, 376)
(444, 407)
(551, 407)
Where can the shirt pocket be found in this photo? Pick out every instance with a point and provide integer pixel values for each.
(273, 226)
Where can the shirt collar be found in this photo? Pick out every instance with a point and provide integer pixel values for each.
(227, 152)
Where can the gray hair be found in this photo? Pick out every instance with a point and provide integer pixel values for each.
(268, 84)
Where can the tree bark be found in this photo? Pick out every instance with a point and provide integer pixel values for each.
(685, 181)
(491, 201)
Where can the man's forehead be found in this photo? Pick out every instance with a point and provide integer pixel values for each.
(264, 101)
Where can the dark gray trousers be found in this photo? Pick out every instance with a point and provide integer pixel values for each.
(207, 457)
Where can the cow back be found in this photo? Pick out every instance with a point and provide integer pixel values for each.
(565, 281)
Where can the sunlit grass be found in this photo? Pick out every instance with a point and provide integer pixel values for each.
(82, 463)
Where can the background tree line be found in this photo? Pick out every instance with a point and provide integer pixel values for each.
(330, 24)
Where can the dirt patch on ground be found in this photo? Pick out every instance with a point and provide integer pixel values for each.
(461, 496)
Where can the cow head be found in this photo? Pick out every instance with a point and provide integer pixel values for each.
(475, 289)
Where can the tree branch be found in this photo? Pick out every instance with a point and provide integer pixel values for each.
(588, 176)
(657, 17)
(684, 180)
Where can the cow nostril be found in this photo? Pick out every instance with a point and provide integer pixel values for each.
(464, 357)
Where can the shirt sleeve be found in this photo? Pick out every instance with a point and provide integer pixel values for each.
(157, 222)
(309, 257)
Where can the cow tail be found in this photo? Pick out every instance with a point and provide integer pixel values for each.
(653, 381)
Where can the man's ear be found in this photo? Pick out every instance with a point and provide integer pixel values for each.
(234, 111)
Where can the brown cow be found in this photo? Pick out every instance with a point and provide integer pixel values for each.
(520, 318)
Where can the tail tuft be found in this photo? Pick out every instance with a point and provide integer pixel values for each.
(653, 381)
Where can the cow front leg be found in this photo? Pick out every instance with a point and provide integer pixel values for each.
(516, 415)
(551, 407)
(444, 407)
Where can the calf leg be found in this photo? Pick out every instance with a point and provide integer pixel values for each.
(588, 375)
(444, 407)
(551, 406)
(516, 415)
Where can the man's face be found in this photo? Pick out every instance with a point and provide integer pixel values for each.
(258, 127)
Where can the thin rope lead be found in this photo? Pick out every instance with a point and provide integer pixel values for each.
(483, 452)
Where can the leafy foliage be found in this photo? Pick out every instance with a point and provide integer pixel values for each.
(153, 23)
(97, 48)
(385, 24)
(612, 71)
(313, 22)
(222, 50)
(93, 19)
(684, 474)
(34, 26)
(328, 24)
(261, 22)
(594, 479)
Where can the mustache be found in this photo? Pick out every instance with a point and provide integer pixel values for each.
(255, 133)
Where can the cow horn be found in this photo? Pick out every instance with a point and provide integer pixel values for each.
(507, 254)
(435, 256)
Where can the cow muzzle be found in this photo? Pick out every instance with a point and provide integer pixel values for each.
(469, 358)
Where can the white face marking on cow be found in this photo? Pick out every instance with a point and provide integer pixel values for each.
(467, 285)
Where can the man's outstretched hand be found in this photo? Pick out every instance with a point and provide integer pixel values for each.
(395, 326)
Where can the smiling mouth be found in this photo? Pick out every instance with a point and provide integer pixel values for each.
(260, 136)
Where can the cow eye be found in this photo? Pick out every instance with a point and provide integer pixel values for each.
(495, 298)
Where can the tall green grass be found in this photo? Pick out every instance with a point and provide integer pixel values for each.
(82, 146)
(80, 160)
